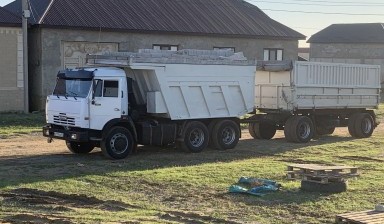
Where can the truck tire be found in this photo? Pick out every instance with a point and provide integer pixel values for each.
(320, 130)
(300, 129)
(225, 135)
(251, 130)
(264, 129)
(118, 143)
(351, 125)
(331, 187)
(287, 130)
(364, 125)
(79, 147)
(195, 137)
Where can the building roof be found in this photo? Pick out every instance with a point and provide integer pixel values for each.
(8, 19)
(199, 17)
(350, 33)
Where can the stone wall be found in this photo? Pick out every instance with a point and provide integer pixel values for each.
(11, 70)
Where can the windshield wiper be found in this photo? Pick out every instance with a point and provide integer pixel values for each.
(74, 94)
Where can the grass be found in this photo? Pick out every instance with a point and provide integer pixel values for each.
(16, 124)
(159, 185)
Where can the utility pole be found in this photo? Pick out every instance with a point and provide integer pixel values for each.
(25, 15)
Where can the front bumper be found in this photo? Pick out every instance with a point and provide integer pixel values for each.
(68, 135)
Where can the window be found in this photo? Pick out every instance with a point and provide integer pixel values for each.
(166, 47)
(110, 88)
(224, 48)
(273, 54)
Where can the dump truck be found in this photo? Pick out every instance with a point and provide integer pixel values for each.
(309, 99)
(191, 98)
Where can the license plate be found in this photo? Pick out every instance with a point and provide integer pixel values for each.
(58, 134)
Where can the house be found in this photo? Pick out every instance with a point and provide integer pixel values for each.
(361, 43)
(63, 31)
(11, 62)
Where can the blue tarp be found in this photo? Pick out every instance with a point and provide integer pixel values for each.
(254, 186)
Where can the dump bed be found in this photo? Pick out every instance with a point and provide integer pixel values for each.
(188, 84)
(313, 85)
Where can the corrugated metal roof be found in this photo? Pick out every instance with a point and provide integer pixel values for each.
(202, 17)
(9, 19)
(350, 33)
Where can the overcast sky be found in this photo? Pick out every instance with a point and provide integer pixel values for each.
(311, 16)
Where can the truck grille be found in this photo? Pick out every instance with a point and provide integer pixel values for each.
(63, 119)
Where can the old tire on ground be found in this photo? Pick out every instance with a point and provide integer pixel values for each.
(251, 130)
(195, 137)
(364, 125)
(118, 143)
(320, 130)
(331, 187)
(225, 134)
(79, 147)
(265, 129)
(299, 129)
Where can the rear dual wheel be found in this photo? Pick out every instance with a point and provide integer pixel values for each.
(195, 137)
(264, 129)
(361, 125)
(225, 134)
(299, 129)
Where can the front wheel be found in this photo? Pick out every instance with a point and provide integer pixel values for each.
(79, 147)
(299, 129)
(225, 135)
(118, 143)
(361, 125)
(195, 137)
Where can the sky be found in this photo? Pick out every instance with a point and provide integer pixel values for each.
(310, 16)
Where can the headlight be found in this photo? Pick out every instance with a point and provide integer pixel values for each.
(47, 132)
(74, 136)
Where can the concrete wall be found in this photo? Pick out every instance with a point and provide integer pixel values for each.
(52, 52)
(349, 53)
(11, 70)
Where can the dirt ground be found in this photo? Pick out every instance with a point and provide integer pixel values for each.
(33, 148)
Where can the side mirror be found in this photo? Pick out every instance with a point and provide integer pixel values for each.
(93, 91)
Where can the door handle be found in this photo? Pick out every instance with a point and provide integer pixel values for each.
(97, 104)
(117, 109)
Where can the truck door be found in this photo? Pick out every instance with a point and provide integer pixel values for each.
(106, 104)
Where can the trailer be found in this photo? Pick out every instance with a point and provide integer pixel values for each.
(308, 99)
(191, 98)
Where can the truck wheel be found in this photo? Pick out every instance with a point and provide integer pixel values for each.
(364, 125)
(225, 134)
(331, 187)
(252, 132)
(301, 129)
(351, 125)
(287, 129)
(118, 143)
(195, 137)
(320, 130)
(79, 147)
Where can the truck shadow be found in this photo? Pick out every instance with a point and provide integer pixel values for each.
(47, 167)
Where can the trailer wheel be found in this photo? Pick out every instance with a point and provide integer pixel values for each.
(301, 129)
(79, 147)
(320, 130)
(364, 125)
(351, 125)
(265, 129)
(287, 129)
(331, 187)
(225, 135)
(195, 137)
(251, 130)
(118, 143)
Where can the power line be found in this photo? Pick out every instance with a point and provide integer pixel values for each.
(318, 4)
(325, 13)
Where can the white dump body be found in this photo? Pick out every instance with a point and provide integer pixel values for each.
(189, 84)
(313, 85)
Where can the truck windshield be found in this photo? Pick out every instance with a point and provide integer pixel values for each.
(72, 87)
